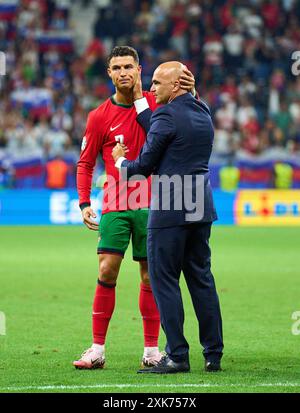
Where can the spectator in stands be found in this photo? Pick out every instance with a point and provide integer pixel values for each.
(226, 141)
(56, 141)
(225, 115)
(229, 177)
(56, 173)
(283, 118)
(283, 176)
(233, 42)
(295, 108)
(245, 112)
(62, 120)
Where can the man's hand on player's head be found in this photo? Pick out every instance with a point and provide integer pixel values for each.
(137, 88)
(187, 81)
(87, 214)
(119, 150)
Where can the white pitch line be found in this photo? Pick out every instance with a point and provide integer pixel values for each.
(138, 386)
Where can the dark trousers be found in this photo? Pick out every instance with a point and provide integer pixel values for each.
(170, 251)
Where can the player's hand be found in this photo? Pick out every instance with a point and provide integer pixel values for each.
(87, 214)
(137, 88)
(187, 81)
(119, 150)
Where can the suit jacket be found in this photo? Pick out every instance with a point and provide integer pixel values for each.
(177, 152)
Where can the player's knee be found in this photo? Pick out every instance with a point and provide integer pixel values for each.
(145, 278)
(144, 272)
(107, 273)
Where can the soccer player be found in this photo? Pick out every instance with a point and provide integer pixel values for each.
(124, 215)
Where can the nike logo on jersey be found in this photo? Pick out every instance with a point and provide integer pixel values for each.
(112, 129)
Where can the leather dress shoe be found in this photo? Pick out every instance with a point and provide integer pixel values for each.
(168, 366)
(212, 366)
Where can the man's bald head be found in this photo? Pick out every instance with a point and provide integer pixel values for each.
(165, 81)
(173, 70)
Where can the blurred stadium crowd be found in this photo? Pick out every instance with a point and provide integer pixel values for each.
(239, 51)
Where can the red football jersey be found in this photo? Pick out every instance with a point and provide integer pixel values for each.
(106, 125)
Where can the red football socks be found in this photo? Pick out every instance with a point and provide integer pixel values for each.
(150, 315)
(103, 308)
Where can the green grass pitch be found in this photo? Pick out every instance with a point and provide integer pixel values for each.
(47, 281)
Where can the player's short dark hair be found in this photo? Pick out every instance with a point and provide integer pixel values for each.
(123, 51)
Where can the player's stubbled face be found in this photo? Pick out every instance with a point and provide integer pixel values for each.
(123, 71)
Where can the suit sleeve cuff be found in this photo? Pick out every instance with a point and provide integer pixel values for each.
(141, 105)
(118, 164)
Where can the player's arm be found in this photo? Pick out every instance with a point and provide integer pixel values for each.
(141, 104)
(144, 113)
(162, 130)
(91, 145)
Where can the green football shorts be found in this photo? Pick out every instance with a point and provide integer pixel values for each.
(116, 228)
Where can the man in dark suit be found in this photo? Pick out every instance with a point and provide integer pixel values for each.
(177, 151)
